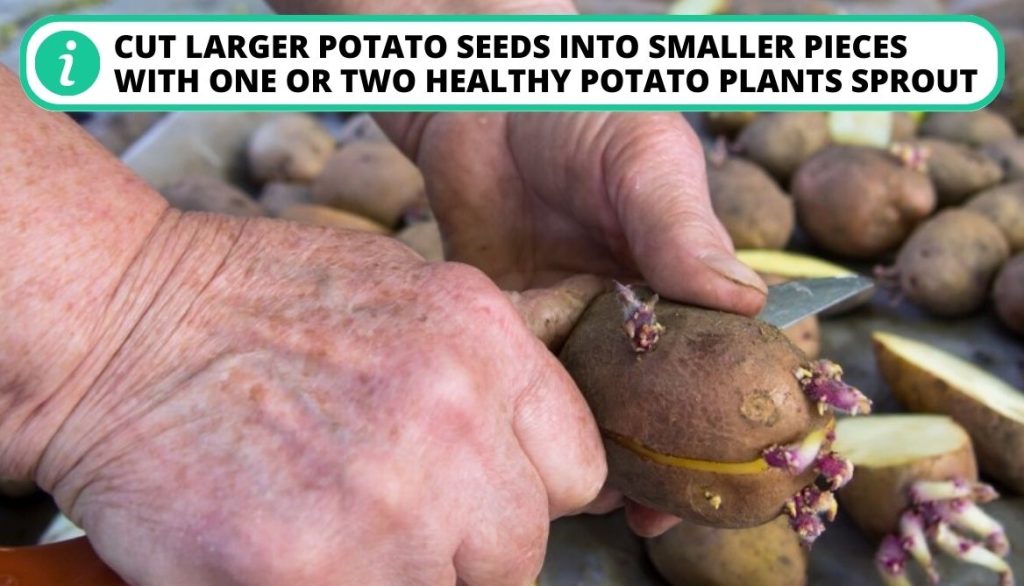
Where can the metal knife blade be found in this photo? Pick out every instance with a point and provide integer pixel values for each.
(792, 301)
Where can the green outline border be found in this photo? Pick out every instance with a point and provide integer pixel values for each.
(512, 107)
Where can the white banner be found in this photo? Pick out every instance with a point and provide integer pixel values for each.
(512, 63)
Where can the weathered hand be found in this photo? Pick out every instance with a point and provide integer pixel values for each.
(531, 197)
(298, 405)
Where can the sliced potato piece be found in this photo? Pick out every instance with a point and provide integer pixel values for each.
(889, 453)
(930, 380)
(316, 215)
(874, 129)
(790, 265)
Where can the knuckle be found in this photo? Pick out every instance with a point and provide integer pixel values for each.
(470, 295)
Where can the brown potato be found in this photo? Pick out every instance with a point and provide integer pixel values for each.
(728, 380)
(200, 193)
(928, 380)
(372, 179)
(904, 126)
(860, 202)
(891, 452)
(119, 130)
(1010, 156)
(781, 142)
(278, 196)
(692, 555)
(975, 129)
(948, 264)
(958, 171)
(1012, 103)
(1008, 294)
(748, 202)
(316, 215)
(424, 238)
(1004, 206)
(290, 147)
(362, 128)
(728, 124)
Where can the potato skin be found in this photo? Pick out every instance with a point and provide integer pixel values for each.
(975, 129)
(748, 202)
(1008, 294)
(860, 202)
(949, 263)
(424, 238)
(1010, 156)
(998, 441)
(877, 496)
(362, 128)
(199, 193)
(315, 215)
(728, 124)
(692, 555)
(904, 127)
(372, 179)
(781, 142)
(727, 380)
(276, 196)
(747, 500)
(958, 171)
(290, 147)
(1004, 206)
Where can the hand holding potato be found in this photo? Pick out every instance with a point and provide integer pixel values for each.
(360, 416)
(531, 198)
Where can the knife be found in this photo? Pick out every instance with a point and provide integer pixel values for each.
(793, 301)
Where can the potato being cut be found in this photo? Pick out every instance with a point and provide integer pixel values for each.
(891, 452)
(926, 379)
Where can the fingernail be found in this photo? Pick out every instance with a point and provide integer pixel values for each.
(732, 269)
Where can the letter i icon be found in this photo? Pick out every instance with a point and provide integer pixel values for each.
(69, 60)
(67, 63)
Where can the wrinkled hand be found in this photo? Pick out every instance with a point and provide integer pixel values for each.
(530, 198)
(299, 405)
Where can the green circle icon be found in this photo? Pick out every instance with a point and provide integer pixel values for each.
(67, 63)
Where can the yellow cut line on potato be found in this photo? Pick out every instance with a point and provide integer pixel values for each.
(958, 374)
(752, 467)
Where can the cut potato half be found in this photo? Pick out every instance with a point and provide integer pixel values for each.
(873, 129)
(889, 453)
(926, 379)
(790, 265)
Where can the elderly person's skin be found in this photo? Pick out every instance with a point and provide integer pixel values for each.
(220, 400)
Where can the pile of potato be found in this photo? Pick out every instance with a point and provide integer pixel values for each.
(355, 179)
(939, 205)
(935, 204)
